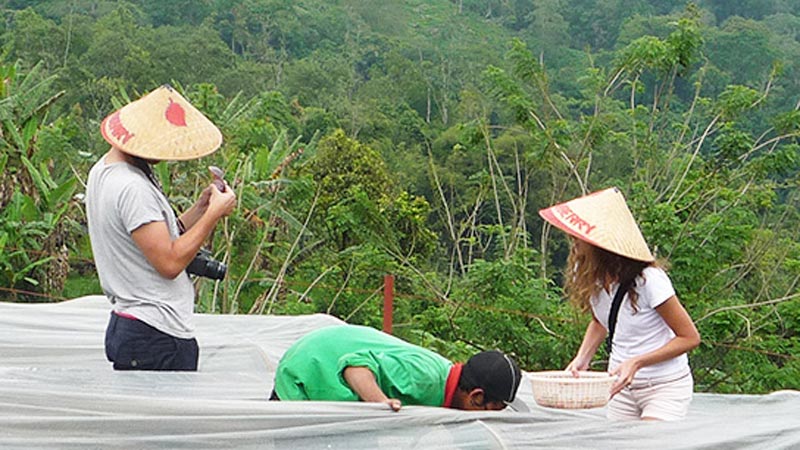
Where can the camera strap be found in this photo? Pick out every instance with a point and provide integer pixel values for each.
(142, 165)
(613, 312)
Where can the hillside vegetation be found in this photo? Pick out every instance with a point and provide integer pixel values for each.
(419, 138)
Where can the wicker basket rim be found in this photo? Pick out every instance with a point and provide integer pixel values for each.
(562, 376)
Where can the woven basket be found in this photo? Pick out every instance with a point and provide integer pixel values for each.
(559, 389)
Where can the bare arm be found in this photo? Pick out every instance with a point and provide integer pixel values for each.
(170, 257)
(363, 382)
(594, 336)
(686, 338)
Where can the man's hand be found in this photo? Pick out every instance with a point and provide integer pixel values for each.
(202, 200)
(394, 403)
(221, 204)
(170, 257)
(363, 383)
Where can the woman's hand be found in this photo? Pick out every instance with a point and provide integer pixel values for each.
(686, 338)
(578, 364)
(595, 333)
(625, 373)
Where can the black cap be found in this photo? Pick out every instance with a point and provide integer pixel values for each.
(494, 372)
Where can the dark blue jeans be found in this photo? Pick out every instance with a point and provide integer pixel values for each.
(134, 345)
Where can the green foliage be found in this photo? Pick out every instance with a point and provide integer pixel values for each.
(33, 39)
(678, 51)
(738, 37)
(698, 203)
(23, 234)
(357, 202)
(420, 138)
(344, 168)
(737, 99)
(481, 313)
(32, 202)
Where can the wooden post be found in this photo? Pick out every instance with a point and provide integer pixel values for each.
(388, 302)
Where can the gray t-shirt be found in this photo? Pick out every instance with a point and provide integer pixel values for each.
(120, 199)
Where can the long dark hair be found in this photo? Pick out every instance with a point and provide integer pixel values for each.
(591, 268)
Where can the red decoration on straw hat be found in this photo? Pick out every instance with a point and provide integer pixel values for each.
(117, 129)
(602, 219)
(175, 114)
(161, 126)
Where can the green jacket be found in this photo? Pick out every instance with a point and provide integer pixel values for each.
(311, 369)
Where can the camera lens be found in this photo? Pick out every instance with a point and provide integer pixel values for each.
(203, 265)
(215, 269)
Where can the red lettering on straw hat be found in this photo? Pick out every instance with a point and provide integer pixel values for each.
(573, 219)
(175, 114)
(117, 129)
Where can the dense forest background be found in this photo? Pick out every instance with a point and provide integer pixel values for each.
(419, 138)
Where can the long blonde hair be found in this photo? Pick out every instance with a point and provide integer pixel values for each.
(590, 269)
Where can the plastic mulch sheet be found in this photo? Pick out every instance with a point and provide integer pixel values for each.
(58, 391)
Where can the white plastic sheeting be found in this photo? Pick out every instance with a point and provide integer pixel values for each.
(58, 391)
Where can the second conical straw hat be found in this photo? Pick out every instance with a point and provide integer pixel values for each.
(603, 220)
(161, 126)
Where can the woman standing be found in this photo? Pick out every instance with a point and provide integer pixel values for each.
(653, 331)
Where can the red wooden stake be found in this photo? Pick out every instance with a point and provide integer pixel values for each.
(388, 302)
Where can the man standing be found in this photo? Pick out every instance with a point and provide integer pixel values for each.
(352, 363)
(141, 248)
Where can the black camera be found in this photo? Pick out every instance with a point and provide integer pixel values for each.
(203, 265)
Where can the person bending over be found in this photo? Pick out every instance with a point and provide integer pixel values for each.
(141, 248)
(352, 363)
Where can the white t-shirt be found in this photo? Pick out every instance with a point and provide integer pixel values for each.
(642, 331)
(120, 199)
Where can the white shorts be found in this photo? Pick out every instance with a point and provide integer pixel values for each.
(666, 398)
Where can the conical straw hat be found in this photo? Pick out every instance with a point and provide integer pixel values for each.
(161, 126)
(603, 220)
